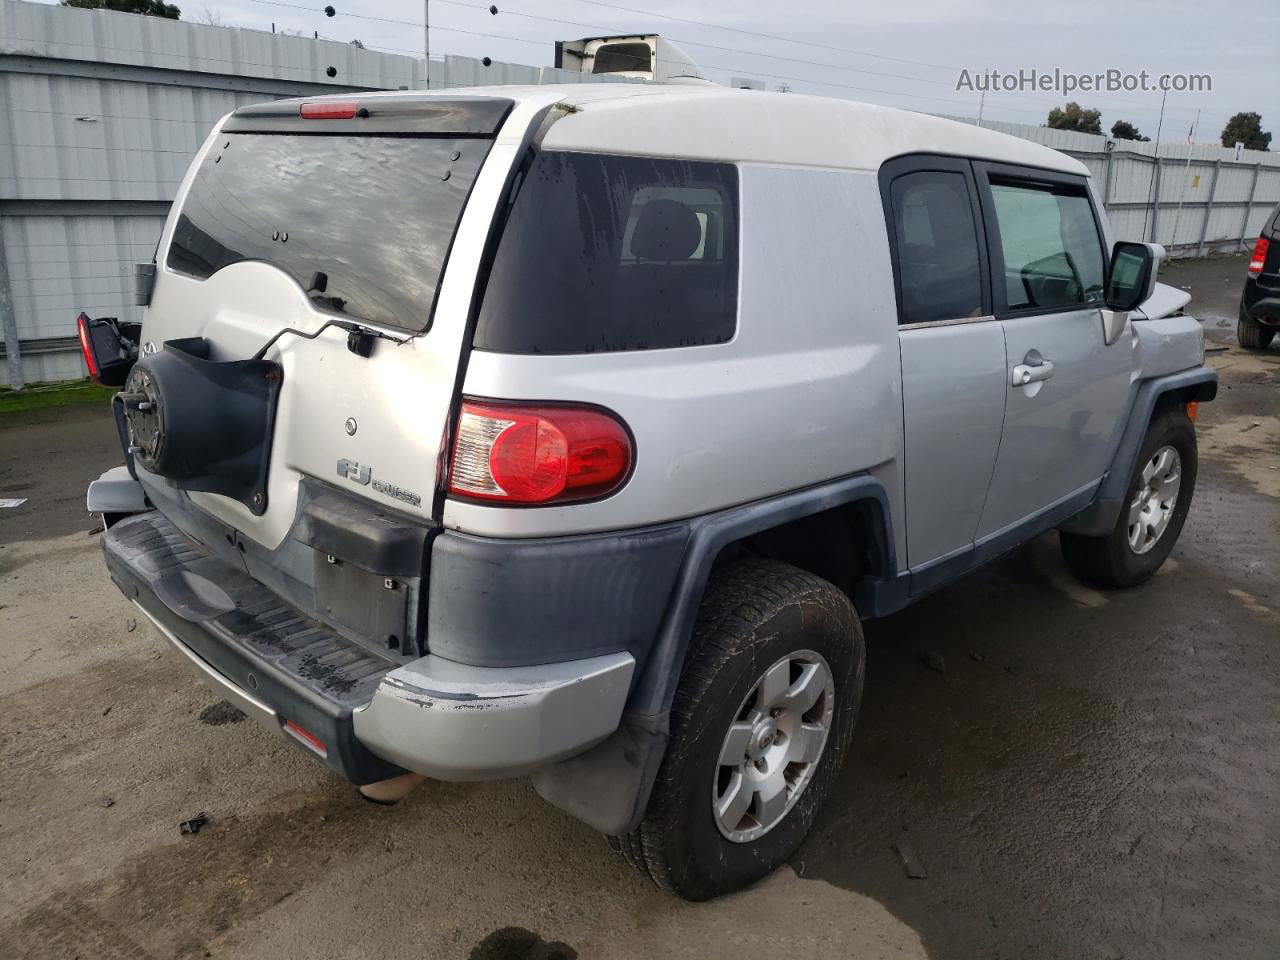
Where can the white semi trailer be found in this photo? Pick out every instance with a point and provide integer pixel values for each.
(637, 57)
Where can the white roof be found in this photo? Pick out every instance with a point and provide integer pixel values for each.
(706, 121)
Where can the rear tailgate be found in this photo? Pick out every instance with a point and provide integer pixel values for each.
(286, 224)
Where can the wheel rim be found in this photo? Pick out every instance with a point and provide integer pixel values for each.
(773, 746)
(1153, 503)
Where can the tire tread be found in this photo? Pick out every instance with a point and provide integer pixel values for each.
(1253, 336)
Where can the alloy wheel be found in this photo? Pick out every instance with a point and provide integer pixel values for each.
(773, 746)
(1157, 495)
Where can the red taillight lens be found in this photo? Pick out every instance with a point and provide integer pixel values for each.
(329, 111)
(86, 346)
(533, 453)
(1259, 256)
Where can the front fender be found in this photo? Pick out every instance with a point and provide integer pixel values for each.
(1098, 519)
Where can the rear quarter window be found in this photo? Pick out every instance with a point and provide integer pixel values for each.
(606, 253)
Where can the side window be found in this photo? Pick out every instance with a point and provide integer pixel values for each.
(937, 247)
(604, 253)
(1052, 253)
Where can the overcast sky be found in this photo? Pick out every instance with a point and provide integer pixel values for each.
(906, 53)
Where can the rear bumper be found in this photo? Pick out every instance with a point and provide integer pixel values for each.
(1261, 303)
(456, 722)
(1266, 310)
(368, 716)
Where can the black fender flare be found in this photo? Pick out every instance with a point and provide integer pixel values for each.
(608, 787)
(1098, 519)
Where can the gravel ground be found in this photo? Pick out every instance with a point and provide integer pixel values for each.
(1092, 775)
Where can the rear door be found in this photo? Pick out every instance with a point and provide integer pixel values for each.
(952, 348)
(1065, 389)
(347, 218)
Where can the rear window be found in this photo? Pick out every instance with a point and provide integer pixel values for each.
(362, 223)
(605, 253)
(936, 234)
(621, 57)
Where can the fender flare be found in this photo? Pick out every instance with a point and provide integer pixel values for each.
(1099, 518)
(608, 787)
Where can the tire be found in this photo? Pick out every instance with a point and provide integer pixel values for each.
(1253, 336)
(1113, 560)
(756, 614)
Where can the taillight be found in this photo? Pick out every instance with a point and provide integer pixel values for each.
(1259, 256)
(341, 110)
(86, 347)
(537, 453)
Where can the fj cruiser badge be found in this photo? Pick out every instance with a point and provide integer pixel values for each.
(351, 470)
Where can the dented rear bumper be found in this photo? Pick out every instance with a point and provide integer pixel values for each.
(364, 713)
(456, 722)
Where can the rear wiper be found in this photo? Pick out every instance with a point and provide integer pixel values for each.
(359, 338)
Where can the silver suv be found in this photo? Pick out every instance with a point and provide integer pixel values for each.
(571, 431)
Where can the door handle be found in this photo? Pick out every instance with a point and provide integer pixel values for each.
(1032, 371)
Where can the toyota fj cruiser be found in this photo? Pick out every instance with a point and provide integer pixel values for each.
(571, 431)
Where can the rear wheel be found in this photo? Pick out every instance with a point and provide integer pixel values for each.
(1253, 335)
(760, 725)
(1155, 509)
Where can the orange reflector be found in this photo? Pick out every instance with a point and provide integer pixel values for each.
(343, 110)
(1193, 410)
(306, 738)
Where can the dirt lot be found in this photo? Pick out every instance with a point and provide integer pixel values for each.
(1094, 775)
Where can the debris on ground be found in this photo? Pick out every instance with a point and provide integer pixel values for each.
(934, 661)
(95, 531)
(106, 711)
(194, 824)
(915, 870)
(977, 657)
(216, 714)
(105, 802)
(131, 625)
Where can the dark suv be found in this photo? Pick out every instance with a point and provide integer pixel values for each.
(1260, 302)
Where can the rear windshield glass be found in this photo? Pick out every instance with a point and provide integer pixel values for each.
(621, 57)
(606, 253)
(362, 223)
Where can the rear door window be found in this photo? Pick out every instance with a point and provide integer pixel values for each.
(1051, 246)
(609, 253)
(362, 223)
(936, 244)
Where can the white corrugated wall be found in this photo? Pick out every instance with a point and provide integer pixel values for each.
(101, 112)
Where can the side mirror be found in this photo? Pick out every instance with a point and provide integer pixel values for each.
(1131, 277)
(110, 348)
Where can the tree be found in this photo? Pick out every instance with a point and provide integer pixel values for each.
(1124, 130)
(149, 8)
(1076, 117)
(1246, 128)
(210, 17)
